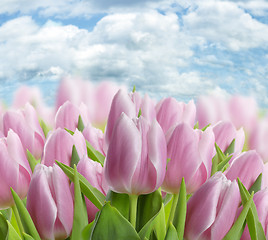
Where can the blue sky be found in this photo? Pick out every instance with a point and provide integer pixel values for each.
(166, 47)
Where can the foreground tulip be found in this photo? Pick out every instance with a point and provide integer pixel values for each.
(25, 124)
(190, 152)
(136, 158)
(93, 172)
(15, 171)
(59, 147)
(50, 202)
(212, 209)
(170, 112)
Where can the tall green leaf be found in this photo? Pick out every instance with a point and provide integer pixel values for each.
(32, 161)
(3, 227)
(171, 233)
(80, 125)
(12, 233)
(75, 157)
(93, 194)
(94, 154)
(256, 186)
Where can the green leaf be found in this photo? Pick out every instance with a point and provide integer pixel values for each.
(3, 227)
(230, 149)
(32, 161)
(256, 186)
(254, 226)
(7, 213)
(139, 114)
(168, 206)
(93, 194)
(160, 224)
(196, 126)
(204, 128)
(80, 125)
(180, 213)
(12, 233)
(110, 224)
(75, 157)
(27, 236)
(119, 201)
(171, 233)
(25, 217)
(86, 233)
(94, 154)
(134, 89)
(80, 210)
(238, 227)
(214, 167)
(223, 165)
(69, 131)
(44, 127)
(148, 208)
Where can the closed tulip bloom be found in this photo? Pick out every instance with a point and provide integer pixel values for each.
(261, 201)
(50, 203)
(211, 211)
(170, 112)
(25, 123)
(93, 172)
(59, 147)
(68, 114)
(136, 158)
(15, 171)
(190, 152)
(247, 166)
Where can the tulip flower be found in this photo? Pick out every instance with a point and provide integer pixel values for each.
(190, 155)
(15, 171)
(25, 123)
(211, 211)
(225, 132)
(136, 158)
(93, 172)
(170, 112)
(59, 147)
(50, 203)
(247, 166)
(261, 201)
(68, 114)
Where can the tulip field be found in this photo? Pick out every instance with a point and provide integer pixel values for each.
(107, 163)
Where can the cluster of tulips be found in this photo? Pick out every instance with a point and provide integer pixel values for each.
(104, 163)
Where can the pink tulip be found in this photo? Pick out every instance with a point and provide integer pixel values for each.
(50, 203)
(95, 137)
(15, 171)
(265, 176)
(93, 172)
(261, 201)
(247, 166)
(211, 211)
(190, 152)
(68, 114)
(25, 123)
(136, 158)
(170, 112)
(59, 147)
(225, 132)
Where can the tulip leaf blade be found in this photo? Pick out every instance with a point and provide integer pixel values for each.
(27, 236)
(12, 233)
(94, 154)
(44, 127)
(75, 157)
(160, 224)
(25, 217)
(80, 125)
(230, 149)
(180, 212)
(86, 233)
(256, 186)
(120, 201)
(110, 224)
(171, 233)
(69, 131)
(238, 227)
(255, 229)
(204, 128)
(3, 227)
(32, 161)
(148, 207)
(196, 126)
(93, 194)
(80, 219)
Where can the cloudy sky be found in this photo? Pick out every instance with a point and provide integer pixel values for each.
(181, 48)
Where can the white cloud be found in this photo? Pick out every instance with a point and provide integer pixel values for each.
(225, 25)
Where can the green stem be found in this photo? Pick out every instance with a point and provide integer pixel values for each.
(17, 217)
(133, 200)
(173, 207)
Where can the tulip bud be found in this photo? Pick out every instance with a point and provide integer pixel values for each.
(212, 209)
(190, 152)
(59, 147)
(136, 158)
(15, 171)
(170, 112)
(25, 124)
(50, 203)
